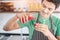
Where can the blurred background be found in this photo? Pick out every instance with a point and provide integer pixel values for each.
(18, 6)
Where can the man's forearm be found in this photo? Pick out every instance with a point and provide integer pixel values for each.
(10, 23)
(13, 19)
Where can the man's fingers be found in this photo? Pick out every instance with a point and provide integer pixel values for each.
(25, 18)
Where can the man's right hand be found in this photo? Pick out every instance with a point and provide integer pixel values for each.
(24, 17)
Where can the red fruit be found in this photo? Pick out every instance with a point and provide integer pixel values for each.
(21, 20)
(29, 17)
(34, 25)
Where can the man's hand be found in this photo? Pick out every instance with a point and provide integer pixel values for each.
(24, 17)
(44, 29)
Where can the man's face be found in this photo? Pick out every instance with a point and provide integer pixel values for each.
(47, 8)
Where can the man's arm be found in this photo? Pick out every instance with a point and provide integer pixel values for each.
(11, 24)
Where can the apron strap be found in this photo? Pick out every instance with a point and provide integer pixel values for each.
(51, 27)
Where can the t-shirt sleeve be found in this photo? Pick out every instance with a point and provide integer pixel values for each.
(58, 28)
(20, 24)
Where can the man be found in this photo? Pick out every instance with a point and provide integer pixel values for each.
(47, 7)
